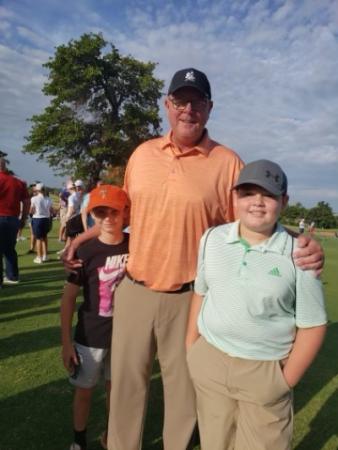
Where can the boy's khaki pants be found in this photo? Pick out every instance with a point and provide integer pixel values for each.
(146, 322)
(241, 404)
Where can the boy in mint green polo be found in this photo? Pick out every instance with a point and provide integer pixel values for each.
(256, 321)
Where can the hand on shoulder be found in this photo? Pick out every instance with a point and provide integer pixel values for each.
(309, 254)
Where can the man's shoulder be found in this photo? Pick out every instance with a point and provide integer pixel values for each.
(224, 152)
(13, 179)
(150, 144)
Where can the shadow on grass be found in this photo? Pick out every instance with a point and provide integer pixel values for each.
(324, 424)
(34, 313)
(322, 371)
(323, 427)
(35, 419)
(31, 341)
(41, 418)
(18, 303)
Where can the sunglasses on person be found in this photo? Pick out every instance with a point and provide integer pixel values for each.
(101, 212)
(196, 104)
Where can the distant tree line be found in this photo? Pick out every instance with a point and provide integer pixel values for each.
(321, 214)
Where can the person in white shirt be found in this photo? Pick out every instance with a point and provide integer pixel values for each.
(41, 209)
(75, 199)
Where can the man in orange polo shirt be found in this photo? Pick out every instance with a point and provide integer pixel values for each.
(179, 185)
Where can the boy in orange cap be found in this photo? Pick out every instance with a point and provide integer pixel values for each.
(104, 261)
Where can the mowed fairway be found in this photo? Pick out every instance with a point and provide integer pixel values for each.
(35, 397)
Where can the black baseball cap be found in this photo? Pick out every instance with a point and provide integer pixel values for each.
(193, 78)
(266, 174)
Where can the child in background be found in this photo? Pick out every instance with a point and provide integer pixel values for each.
(104, 261)
(256, 321)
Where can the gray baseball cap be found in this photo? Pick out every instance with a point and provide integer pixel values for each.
(266, 174)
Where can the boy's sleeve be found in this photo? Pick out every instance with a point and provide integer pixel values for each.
(200, 282)
(310, 302)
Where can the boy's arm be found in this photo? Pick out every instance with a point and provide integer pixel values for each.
(305, 348)
(68, 256)
(67, 310)
(192, 330)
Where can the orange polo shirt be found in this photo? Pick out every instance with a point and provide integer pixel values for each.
(175, 197)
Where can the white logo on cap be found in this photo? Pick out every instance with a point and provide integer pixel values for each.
(103, 193)
(190, 76)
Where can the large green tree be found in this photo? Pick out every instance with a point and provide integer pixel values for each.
(102, 106)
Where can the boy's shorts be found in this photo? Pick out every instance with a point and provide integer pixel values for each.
(93, 361)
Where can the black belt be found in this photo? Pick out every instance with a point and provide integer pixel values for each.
(184, 288)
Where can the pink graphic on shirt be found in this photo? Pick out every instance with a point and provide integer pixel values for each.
(109, 277)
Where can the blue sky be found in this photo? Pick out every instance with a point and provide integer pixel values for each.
(272, 66)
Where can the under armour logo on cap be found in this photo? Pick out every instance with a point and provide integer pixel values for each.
(268, 174)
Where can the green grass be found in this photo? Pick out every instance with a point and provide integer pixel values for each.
(35, 397)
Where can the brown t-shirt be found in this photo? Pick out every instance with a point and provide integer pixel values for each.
(175, 197)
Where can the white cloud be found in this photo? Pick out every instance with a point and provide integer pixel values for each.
(32, 37)
(5, 13)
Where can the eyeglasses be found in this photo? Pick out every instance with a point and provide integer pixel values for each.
(181, 103)
(101, 212)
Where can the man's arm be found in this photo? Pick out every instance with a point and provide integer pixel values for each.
(84, 215)
(67, 310)
(68, 256)
(192, 330)
(309, 254)
(305, 348)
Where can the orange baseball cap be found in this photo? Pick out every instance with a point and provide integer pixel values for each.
(108, 195)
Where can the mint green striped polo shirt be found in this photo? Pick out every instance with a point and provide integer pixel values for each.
(254, 296)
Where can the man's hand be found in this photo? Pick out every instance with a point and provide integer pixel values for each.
(309, 255)
(68, 255)
(69, 261)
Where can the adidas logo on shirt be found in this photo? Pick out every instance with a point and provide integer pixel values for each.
(275, 272)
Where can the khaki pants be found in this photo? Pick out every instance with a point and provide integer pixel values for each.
(241, 404)
(146, 322)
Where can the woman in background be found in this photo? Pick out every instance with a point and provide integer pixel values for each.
(42, 210)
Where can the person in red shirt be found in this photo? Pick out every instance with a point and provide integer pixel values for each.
(13, 192)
